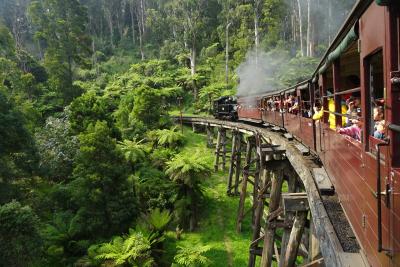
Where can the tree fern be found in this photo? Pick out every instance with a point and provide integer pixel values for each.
(134, 151)
(169, 138)
(192, 256)
(187, 171)
(132, 250)
(188, 168)
(158, 219)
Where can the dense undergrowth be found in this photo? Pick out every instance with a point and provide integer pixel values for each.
(93, 171)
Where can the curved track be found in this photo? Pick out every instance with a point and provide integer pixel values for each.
(330, 246)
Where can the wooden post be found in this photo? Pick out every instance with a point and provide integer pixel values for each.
(272, 177)
(217, 150)
(289, 216)
(314, 251)
(294, 203)
(224, 143)
(256, 186)
(246, 173)
(210, 136)
(238, 163)
(258, 202)
(232, 166)
(295, 238)
(276, 190)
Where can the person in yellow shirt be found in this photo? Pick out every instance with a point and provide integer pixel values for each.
(344, 112)
(319, 113)
(331, 108)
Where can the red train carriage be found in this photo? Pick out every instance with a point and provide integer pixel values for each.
(271, 107)
(249, 108)
(360, 64)
(359, 74)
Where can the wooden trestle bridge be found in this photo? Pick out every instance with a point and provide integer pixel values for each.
(285, 223)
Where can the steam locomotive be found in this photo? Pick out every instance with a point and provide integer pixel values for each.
(225, 107)
(363, 62)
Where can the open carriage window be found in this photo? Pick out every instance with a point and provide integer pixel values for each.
(375, 96)
(305, 103)
(328, 99)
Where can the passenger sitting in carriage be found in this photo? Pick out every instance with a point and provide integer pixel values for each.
(318, 111)
(295, 107)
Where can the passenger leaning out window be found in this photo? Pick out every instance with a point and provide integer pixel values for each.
(353, 108)
(354, 130)
(379, 127)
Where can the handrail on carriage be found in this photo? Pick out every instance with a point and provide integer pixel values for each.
(354, 90)
(394, 127)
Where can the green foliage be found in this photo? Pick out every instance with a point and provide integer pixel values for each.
(192, 256)
(298, 69)
(20, 242)
(145, 109)
(60, 240)
(17, 150)
(154, 190)
(160, 156)
(134, 151)
(62, 25)
(169, 138)
(158, 219)
(130, 250)
(89, 108)
(57, 148)
(7, 48)
(101, 190)
(187, 171)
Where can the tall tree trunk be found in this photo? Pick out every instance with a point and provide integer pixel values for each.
(94, 57)
(110, 22)
(300, 29)
(141, 42)
(132, 12)
(256, 27)
(140, 22)
(193, 67)
(39, 47)
(228, 24)
(143, 14)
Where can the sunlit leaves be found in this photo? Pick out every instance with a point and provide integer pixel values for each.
(192, 256)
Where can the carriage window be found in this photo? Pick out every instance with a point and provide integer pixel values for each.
(375, 93)
(305, 103)
(350, 69)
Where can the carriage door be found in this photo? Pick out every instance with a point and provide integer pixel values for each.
(377, 207)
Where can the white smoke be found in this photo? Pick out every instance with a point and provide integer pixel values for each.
(258, 73)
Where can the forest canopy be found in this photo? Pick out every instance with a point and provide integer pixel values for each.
(92, 169)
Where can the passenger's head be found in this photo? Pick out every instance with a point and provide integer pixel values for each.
(378, 113)
(350, 102)
(357, 102)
